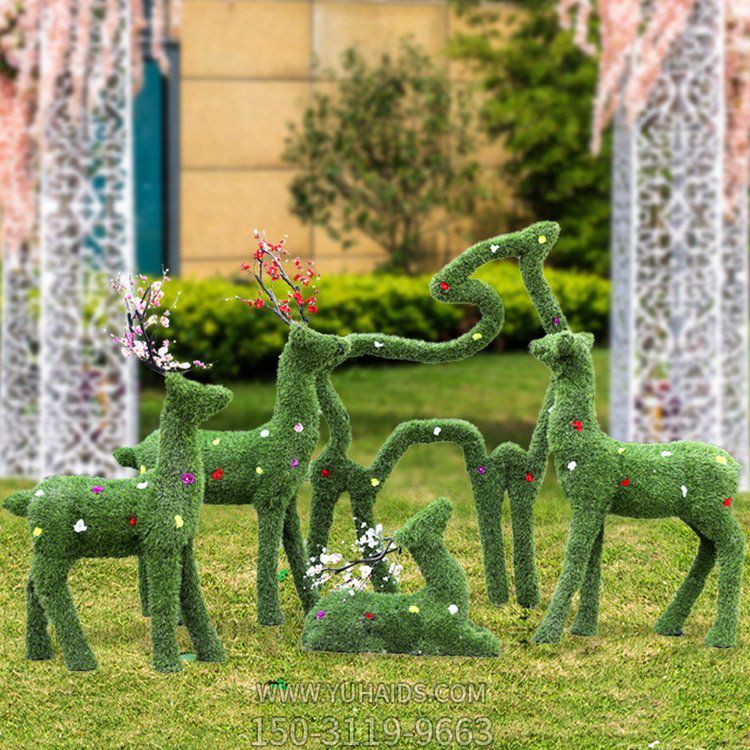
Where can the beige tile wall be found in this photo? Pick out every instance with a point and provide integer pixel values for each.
(247, 70)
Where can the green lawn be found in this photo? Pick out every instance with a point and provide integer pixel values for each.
(626, 688)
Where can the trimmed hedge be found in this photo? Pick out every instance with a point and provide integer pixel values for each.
(246, 343)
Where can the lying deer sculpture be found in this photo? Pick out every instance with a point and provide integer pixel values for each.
(266, 466)
(433, 621)
(153, 516)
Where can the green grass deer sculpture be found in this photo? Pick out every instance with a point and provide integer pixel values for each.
(432, 621)
(692, 481)
(153, 516)
(266, 466)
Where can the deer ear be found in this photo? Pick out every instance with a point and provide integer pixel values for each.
(588, 340)
(566, 344)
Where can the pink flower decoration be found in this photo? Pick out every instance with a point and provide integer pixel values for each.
(96, 490)
(299, 427)
(481, 469)
(321, 614)
(188, 478)
(295, 463)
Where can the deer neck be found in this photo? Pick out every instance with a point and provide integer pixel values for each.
(297, 406)
(179, 468)
(443, 576)
(574, 409)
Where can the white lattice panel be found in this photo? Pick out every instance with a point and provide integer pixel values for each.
(680, 320)
(87, 398)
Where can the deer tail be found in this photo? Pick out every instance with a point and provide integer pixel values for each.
(126, 457)
(18, 502)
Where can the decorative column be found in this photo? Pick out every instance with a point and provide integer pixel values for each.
(87, 390)
(19, 363)
(680, 319)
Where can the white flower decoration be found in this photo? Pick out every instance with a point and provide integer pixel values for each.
(265, 433)
(39, 493)
(453, 609)
(437, 431)
(80, 526)
(494, 248)
(683, 489)
(142, 485)
(666, 453)
(572, 465)
(378, 344)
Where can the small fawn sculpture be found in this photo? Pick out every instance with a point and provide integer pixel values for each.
(266, 466)
(433, 621)
(692, 481)
(153, 516)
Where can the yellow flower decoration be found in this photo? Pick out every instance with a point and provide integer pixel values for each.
(143, 469)
(721, 460)
(542, 239)
(216, 441)
(414, 609)
(258, 470)
(178, 522)
(477, 336)
(37, 531)
(374, 482)
(621, 450)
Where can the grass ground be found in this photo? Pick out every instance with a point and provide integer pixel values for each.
(625, 688)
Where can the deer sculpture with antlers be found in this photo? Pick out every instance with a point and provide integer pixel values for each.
(266, 466)
(153, 516)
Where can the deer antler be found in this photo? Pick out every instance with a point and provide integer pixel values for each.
(141, 314)
(269, 262)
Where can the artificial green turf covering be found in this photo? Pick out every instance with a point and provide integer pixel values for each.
(508, 468)
(432, 621)
(153, 517)
(692, 481)
(266, 466)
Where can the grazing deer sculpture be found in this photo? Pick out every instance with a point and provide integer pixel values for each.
(692, 481)
(153, 516)
(266, 466)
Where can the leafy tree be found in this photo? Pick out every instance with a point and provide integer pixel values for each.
(386, 154)
(539, 89)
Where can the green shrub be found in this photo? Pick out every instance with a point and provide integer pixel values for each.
(243, 342)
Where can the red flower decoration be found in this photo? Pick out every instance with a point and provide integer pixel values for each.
(727, 502)
(218, 474)
(369, 615)
(325, 473)
(578, 425)
(529, 476)
(445, 286)
(132, 520)
(625, 483)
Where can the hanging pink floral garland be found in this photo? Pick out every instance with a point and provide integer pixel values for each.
(632, 52)
(28, 82)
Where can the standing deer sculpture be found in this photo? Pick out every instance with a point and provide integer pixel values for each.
(153, 516)
(266, 466)
(508, 468)
(692, 481)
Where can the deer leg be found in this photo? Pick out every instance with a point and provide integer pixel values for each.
(50, 578)
(489, 503)
(38, 643)
(364, 518)
(270, 527)
(325, 495)
(163, 572)
(524, 556)
(294, 546)
(587, 618)
(673, 619)
(202, 632)
(143, 586)
(584, 529)
(730, 548)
